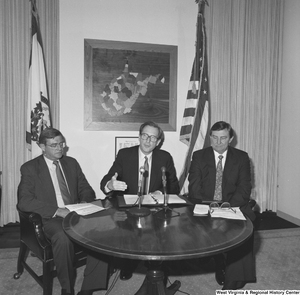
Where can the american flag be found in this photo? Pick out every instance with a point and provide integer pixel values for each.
(38, 107)
(195, 120)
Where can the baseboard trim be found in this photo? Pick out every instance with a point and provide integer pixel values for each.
(288, 217)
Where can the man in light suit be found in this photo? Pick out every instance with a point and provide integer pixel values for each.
(39, 191)
(238, 268)
(123, 176)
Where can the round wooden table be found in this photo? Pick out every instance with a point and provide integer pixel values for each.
(156, 237)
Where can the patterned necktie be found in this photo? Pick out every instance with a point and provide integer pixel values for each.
(219, 176)
(146, 175)
(62, 184)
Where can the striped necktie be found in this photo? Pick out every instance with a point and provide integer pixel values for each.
(219, 176)
(62, 184)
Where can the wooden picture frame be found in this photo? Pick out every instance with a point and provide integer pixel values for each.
(127, 83)
(124, 142)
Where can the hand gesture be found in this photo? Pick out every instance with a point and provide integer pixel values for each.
(116, 185)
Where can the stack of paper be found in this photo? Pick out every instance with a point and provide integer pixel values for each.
(201, 209)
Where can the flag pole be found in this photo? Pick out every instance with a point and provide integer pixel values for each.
(36, 11)
(196, 114)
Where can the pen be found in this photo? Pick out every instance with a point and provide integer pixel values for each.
(155, 200)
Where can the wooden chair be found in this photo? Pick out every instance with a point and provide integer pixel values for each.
(33, 238)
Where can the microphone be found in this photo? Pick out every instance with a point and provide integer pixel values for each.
(141, 180)
(165, 207)
(139, 211)
(164, 181)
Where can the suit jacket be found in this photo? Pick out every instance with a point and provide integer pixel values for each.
(126, 165)
(36, 191)
(236, 183)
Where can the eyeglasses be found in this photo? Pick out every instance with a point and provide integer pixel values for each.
(56, 145)
(145, 136)
(224, 206)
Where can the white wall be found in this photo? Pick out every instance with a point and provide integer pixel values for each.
(289, 169)
(169, 22)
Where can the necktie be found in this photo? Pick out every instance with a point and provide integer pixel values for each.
(219, 176)
(146, 176)
(62, 184)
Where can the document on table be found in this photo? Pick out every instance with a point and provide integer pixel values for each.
(153, 199)
(201, 209)
(84, 208)
(228, 213)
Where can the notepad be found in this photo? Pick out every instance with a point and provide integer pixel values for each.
(201, 209)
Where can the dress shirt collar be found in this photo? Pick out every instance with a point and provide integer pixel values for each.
(49, 162)
(142, 156)
(141, 164)
(216, 154)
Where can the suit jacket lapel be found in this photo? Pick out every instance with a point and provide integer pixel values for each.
(228, 166)
(134, 160)
(211, 164)
(46, 179)
(154, 176)
(130, 171)
(69, 178)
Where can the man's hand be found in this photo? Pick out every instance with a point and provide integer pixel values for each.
(116, 185)
(157, 193)
(62, 212)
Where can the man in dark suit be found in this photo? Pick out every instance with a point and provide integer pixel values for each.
(237, 268)
(124, 175)
(40, 191)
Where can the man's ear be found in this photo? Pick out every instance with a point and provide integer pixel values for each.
(231, 139)
(158, 142)
(42, 146)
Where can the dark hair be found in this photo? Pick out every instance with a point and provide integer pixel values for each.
(221, 125)
(48, 133)
(153, 124)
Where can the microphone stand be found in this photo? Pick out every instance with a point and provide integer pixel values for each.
(165, 207)
(140, 211)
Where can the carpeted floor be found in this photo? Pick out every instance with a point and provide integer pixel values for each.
(277, 266)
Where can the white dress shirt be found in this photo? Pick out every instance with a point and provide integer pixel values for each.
(217, 158)
(52, 170)
(141, 164)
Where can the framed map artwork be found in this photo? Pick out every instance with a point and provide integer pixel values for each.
(127, 83)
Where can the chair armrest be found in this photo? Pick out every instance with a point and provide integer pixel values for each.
(31, 224)
(36, 220)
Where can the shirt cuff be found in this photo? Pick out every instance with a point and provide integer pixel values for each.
(106, 189)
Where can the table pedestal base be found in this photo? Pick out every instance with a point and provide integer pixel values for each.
(154, 284)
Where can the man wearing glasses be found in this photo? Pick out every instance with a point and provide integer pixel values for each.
(48, 183)
(124, 175)
(221, 174)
